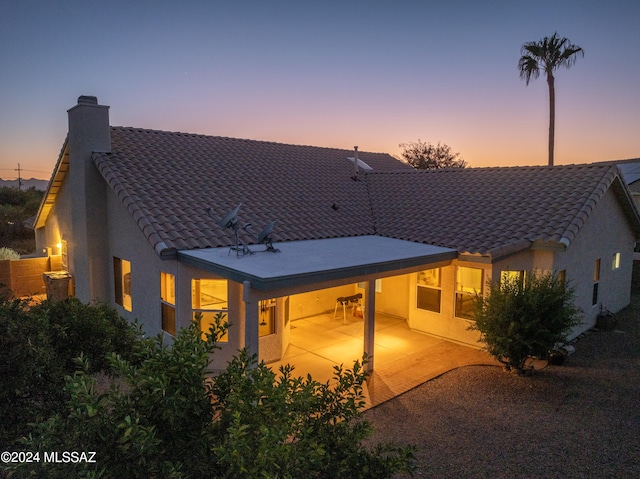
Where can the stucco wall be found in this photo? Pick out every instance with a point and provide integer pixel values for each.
(321, 301)
(126, 241)
(606, 232)
(391, 299)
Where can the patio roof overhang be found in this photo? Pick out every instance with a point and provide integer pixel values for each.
(308, 262)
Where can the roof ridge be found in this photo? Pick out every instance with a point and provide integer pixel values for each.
(249, 140)
(469, 170)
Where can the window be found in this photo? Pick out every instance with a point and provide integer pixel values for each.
(122, 280)
(429, 290)
(208, 299)
(267, 317)
(168, 302)
(468, 284)
(615, 261)
(596, 281)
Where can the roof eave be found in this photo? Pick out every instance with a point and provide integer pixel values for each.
(57, 178)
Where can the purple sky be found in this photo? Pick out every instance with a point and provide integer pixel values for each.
(325, 73)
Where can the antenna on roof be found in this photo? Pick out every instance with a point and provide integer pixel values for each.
(230, 221)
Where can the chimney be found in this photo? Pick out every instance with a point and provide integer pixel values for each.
(89, 125)
(88, 249)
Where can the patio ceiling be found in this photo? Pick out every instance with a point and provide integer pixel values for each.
(308, 262)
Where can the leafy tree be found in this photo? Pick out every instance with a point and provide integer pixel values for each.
(165, 416)
(525, 316)
(37, 347)
(16, 206)
(548, 55)
(425, 156)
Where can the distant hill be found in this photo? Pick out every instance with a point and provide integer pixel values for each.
(38, 184)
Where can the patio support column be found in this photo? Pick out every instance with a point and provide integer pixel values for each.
(251, 337)
(369, 321)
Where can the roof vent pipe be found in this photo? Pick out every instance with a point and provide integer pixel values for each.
(355, 162)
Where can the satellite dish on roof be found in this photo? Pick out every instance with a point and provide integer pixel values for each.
(230, 220)
(265, 237)
(265, 234)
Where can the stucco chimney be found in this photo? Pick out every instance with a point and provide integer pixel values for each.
(89, 125)
(88, 252)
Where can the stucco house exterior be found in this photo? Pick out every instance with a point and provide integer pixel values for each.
(144, 220)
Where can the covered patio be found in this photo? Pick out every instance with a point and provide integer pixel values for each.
(404, 358)
(303, 266)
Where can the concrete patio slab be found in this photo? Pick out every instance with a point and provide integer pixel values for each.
(403, 359)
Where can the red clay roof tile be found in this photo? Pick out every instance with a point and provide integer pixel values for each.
(168, 180)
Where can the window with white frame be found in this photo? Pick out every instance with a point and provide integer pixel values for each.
(168, 302)
(122, 283)
(209, 298)
(429, 290)
(469, 284)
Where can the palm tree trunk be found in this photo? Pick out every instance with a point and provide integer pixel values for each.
(552, 115)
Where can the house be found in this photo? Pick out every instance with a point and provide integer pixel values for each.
(157, 224)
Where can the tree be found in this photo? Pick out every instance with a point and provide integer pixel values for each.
(525, 316)
(548, 55)
(16, 206)
(165, 415)
(425, 156)
(38, 345)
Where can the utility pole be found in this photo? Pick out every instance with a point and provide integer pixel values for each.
(19, 177)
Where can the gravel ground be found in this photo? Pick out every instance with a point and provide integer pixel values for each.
(578, 420)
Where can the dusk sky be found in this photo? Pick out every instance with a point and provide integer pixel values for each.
(326, 73)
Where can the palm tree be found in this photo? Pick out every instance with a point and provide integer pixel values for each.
(547, 55)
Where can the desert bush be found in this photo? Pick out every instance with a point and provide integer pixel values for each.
(525, 316)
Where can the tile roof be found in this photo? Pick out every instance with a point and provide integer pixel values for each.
(168, 180)
(491, 211)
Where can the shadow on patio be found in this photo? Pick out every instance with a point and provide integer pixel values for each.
(403, 359)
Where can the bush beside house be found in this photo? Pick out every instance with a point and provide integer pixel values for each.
(163, 415)
(38, 345)
(525, 316)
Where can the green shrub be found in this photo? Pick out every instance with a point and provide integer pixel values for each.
(38, 346)
(165, 416)
(524, 317)
(16, 206)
